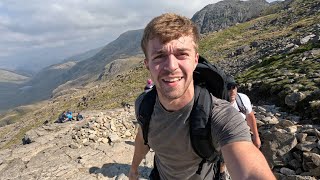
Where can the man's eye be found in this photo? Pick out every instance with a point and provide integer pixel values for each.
(182, 55)
(158, 56)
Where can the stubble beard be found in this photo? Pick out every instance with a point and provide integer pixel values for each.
(173, 93)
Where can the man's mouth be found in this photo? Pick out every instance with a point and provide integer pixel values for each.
(172, 80)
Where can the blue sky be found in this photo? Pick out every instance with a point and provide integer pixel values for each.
(41, 31)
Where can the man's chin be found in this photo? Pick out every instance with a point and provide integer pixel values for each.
(172, 97)
(172, 94)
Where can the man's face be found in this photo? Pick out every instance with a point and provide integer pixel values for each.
(171, 66)
(232, 91)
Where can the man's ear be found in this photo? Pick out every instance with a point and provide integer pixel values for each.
(146, 63)
(196, 60)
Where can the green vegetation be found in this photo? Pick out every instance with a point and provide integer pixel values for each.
(277, 75)
(14, 115)
(100, 95)
(281, 75)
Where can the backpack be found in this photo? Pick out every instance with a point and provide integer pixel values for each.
(208, 79)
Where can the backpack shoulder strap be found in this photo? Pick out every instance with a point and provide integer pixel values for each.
(145, 111)
(200, 124)
(200, 127)
(240, 104)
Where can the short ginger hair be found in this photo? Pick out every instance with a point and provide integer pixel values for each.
(167, 27)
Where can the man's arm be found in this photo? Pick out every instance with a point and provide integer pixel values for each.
(252, 123)
(140, 151)
(245, 161)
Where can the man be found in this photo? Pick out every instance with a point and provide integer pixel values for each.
(170, 45)
(232, 87)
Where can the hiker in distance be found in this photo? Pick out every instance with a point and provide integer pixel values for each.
(170, 45)
(242, 103)
(148, 86)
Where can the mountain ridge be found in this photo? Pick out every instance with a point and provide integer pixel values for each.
(127, 44)
(12, 76)
(45, 81)
(226, 13)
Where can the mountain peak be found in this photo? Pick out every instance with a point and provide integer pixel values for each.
(227, 13)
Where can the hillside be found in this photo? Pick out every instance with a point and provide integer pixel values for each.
(11, 83)
(83, 56)
(275, 57)
(77, 73)
(235, 49)
(96, 95)
(7, 76)
(37, 88)
(101, 147)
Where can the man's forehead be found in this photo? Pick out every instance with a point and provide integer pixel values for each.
(184, 42)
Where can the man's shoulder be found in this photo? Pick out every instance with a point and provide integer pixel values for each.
(243, 96)
(218, 101)
(221, 105)
(227, 124)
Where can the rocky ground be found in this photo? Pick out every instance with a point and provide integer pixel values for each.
(101, 147)
(54, 152)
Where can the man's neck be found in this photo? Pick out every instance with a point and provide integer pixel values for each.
(179, 103)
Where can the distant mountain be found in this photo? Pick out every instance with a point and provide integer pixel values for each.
(227, 13)
(77, 73)
(10, 82)
(83, 56)
(12, 76)
(228, 44)
(127, 44)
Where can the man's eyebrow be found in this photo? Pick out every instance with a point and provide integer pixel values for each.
(164, 51)
(158, 51)
(183, 49)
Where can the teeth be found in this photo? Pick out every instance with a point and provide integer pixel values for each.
(172, 79)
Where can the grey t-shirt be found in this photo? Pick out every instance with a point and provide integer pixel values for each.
(169, 137)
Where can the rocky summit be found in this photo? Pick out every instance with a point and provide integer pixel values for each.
(101, 147)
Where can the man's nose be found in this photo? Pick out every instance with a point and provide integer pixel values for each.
(171, 63)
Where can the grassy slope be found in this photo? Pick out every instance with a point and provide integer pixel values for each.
(299, 66)
(99, 95)
(126, 87)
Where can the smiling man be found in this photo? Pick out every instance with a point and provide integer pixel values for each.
(170, 45)
(171, 66)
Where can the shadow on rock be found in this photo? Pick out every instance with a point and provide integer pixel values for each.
(130, 143)
(114, 169)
